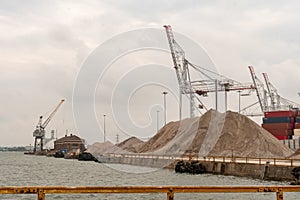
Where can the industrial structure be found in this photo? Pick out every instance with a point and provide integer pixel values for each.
(39, 132)
(268, 98)
(281, 117)
(69, 144)
(194, 89)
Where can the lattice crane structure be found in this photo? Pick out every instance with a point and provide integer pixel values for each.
(39, 132)
(268, 98)
(213, 82)
(275, 102)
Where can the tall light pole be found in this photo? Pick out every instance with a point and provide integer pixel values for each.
(165, 106)
(157, 120)
(239, 91)
(216, 88)
(104, 132)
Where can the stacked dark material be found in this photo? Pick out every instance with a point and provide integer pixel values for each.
(59, 154)
(281, 124)
(86, 156)
(192, 167)
(296, 174)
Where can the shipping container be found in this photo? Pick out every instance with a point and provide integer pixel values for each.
(284, 113)
(280, 132)
(278, 126)
(279, 137)
(296, 137)
(278, 120)
(297, 125)
(297, 132)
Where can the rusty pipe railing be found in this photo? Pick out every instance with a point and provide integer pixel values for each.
(237, 159)
(41, 191)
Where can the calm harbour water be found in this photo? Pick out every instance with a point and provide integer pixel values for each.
(17, 169)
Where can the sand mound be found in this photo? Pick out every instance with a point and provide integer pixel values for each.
(165, 135)
(99, 148)
(212, 134)
(216, 134)
(132, 144)
(240, 136)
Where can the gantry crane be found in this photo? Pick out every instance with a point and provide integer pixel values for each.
(39, 132)
(276, 101)
(272, 92)
(188, 87)
(182, 72)
(218, 83)
(268, 98)
(260, 90)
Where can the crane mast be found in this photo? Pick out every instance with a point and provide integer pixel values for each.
(260, 90)
(272, 92)
(39, 132)
(182, 73)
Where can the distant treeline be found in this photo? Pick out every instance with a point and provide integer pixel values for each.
(13, 149)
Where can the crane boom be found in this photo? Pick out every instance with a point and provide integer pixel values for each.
(260, 91)
(52, 114)
(182, 72)
(178, 56)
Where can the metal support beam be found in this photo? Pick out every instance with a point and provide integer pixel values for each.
(41, 195)
(279, 195)
(170, 194)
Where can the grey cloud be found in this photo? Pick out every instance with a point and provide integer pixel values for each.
(44, 43)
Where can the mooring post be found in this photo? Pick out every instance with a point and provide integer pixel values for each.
(170, 194)
(41, 194)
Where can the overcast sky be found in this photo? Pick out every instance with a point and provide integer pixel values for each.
(45, 44)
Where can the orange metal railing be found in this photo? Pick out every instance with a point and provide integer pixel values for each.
(261, 161)
(41, 191)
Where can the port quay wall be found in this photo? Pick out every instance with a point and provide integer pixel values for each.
(266, 169)
(265, 172)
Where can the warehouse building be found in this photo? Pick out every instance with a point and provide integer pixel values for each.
(70, 144)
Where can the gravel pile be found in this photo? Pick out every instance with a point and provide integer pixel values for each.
(212, 134)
